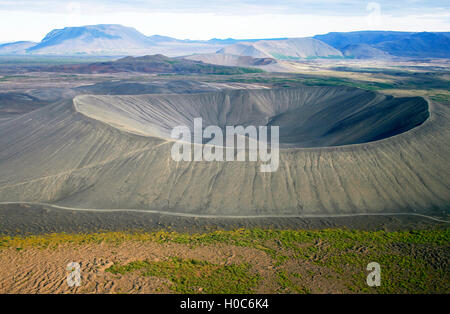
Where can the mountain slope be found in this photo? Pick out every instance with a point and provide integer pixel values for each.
(57, 155)
(18, 47)
(150, 64)
(118, 40)
(230, 60)
(92, 39)
(265, 64)
(295, 48)
(364, 51)
(340, 40)
(111, 39)
(419, 45)
(400, 44)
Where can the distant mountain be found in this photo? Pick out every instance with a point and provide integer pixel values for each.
(364, 51)
(244, 49)
(230, 41)
(266, 64)
(18, 47)
(399, 44)
(94, 39)
(150, 64)
(227, 41)
(341, 40)
(156, 39)
(419, 45)
(285, 49)
(230, 60)
(118, 40)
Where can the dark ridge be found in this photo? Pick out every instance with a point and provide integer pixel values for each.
(150, 64)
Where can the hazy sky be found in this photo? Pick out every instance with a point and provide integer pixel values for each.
(205, 19)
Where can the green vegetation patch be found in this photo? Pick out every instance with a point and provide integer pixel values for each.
(309, 80)
(255, 237)
(194, 276)
(441, 98)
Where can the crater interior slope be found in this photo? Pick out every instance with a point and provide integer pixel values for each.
(307, 117)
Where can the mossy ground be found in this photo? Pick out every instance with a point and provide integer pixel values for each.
(193, 276)
(411, 261)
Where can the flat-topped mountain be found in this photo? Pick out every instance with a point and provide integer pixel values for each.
(113, 39)
(92, 39)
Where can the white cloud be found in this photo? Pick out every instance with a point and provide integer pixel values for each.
(25, 25)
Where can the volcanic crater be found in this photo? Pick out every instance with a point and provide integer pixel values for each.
(307, 117)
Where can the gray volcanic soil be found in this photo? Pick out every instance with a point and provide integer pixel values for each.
(13, 103)
(89, 159)
(22, 219)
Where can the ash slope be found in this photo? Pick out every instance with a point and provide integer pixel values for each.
(59, 156)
